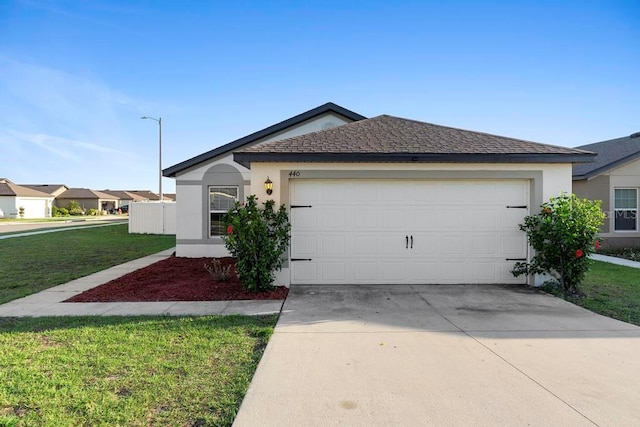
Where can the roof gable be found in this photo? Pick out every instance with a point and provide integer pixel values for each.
(271, 130)
(8, 188)
(393, 139)
(611, 154)
(85, 193)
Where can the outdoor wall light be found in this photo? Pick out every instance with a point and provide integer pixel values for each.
(268, 185)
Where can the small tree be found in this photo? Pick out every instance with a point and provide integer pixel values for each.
(21, 211)
(563, 235)
(74, 208)
(257, 238)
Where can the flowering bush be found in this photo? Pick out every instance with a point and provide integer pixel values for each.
(257, 238)
(563, 236)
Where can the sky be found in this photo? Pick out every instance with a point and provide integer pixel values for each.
(76, 76)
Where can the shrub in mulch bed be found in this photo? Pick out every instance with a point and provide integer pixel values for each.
(175, 279)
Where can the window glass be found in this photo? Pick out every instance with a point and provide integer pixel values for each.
(626, 209)
(221, 199)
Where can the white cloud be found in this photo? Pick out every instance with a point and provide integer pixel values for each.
(63, 147)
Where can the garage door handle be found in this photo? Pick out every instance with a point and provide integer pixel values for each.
(412, 241)
(515, 259)
(407, 246)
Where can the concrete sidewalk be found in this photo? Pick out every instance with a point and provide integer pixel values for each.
(50, 301)
(616, 260)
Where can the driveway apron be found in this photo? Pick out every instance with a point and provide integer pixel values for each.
(443, 355)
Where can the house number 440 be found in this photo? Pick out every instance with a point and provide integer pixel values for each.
(294, 174)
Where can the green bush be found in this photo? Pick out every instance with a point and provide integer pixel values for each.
(563, 235)
(93, 212)
(58, 212)
(74, 208)
(257, 238)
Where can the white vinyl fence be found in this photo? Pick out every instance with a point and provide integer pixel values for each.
(152, 218)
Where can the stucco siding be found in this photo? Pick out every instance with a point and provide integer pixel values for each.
(189, 212)
(547, 180)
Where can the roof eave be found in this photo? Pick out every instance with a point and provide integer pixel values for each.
(322, 109)
(245, 158)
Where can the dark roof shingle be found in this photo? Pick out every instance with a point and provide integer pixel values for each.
(388, 138)
(611, 153)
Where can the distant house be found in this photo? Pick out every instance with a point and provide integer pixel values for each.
(146, 195)
(125, 197)
(88, 199)
(14, 198)
(614, 178)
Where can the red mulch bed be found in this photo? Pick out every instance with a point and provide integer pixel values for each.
(175, 279)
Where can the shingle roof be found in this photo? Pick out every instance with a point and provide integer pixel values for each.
(611, 153)
(271, 130)
(393, 139)
(85, 193)
(144, 194)
(125, 195)
(46, 188)
(8, 188)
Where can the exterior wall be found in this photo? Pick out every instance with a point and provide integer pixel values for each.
(192, 191)
(596, 189)
(547, 180)
(625, 176)
(192, 195)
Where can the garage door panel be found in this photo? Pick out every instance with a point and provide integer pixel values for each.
(513, 246)
(333, 245)
(483, 245)
(305, 219)
(304, 245)
(334, 218)
(334, 272)
(355, 231)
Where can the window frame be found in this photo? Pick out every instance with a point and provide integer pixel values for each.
(616, 210)
(210, 211)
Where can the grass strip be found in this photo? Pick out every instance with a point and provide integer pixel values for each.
(128, 371)
(30, 264)
(613, 291)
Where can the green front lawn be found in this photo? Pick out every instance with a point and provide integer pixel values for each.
(612, 290)
(127, 371)
(30, 264)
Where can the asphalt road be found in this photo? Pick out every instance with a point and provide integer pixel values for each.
(47, 227)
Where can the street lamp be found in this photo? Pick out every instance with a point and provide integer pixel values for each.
(159, 120)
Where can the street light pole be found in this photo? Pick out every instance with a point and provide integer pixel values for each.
(159, 120)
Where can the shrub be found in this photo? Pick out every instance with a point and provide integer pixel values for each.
(93, 212)
(257, 238)
(21, 211)
(74, 208)
(563, 234)
(219, 272)
(56, 211)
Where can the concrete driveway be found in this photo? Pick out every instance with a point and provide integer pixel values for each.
(443, 355)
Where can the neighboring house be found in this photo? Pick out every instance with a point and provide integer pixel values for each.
(124, 197)
(384, 200)
(88, 199)
(35, 204)
(169, 197)
(145, 195)
(614, 178)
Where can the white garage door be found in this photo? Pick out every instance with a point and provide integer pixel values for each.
(396, 232)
